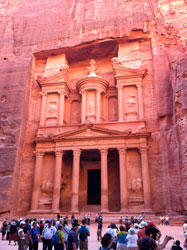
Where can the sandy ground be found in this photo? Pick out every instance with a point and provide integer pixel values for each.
(175, 231)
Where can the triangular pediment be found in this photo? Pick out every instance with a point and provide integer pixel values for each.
(87, 132)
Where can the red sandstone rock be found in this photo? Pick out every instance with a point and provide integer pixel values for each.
(152, 33)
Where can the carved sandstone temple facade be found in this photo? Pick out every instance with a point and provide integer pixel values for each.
(91, 147)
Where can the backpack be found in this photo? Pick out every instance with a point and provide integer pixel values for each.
(83, 233)
(145, 245)
(55, 239)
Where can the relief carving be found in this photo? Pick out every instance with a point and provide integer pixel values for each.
(91, 108)
(46, 187)
(52, 109)
(136, 189)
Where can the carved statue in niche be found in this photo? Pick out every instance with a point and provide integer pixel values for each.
(92, 68)
(46, 187)
(135, 188)
(52, 109)
(131, 111)
(91, 108)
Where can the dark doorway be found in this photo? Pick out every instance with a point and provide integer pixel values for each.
(94, 187)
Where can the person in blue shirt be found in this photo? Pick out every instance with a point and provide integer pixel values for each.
(121, 236)
(34, 235)
(72, 241)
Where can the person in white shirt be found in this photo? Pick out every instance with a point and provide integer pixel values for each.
(66, 230)
(112, 230)
(47, 235)
(132, 239)
(21, 236)
(185, 227)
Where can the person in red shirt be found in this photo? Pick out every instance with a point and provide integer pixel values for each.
(141, 231)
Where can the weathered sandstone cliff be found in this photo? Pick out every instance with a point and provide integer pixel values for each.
(37, 29)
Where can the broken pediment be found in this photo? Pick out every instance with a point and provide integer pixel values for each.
(88, 132)
(59, 77)
(121, 71)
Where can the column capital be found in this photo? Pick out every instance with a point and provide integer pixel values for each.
(39, 153)
(119, 86)
(103, 151)
(62, 92)
(82, 92)
(58, 152)
(77, 151)
(44, 93)
(139, 85)
(122, 150)
(143, 149)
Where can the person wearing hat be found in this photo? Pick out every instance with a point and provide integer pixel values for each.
(112, 230)
(21, 236)
(132, 239)
(47, 235)
(141, 231)
(136, 228)
(72, 241)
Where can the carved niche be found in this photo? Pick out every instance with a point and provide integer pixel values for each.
(113, 108)
(130, 103)
(75, 112)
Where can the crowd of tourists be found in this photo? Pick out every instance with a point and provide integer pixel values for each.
(133, 233)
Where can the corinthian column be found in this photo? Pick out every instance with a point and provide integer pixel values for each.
(75, 181)
(120, 103)
(104, 180)
(83, 117)
(146, 177)
(61, 109)
(123, 180)
(37, 180)
(43, 108)
(140, 101)
(57, 181)
(98, 101)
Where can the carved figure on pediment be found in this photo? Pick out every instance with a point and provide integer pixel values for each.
(52, 110)
(46, 187)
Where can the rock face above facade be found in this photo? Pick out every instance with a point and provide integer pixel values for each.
(32, 32)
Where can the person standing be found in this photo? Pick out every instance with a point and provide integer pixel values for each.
(99, 230)
(47, 235)
(4, 229)
(121, 238)
(83, 232)
(147, 242)
(112, 230)
(141, 231)
(66, 230)
(185, 227)
(13, 230)
(21, 236)
(60, 244)
(132, 239)
(155, 232)
(72, 241)
(34, 236)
